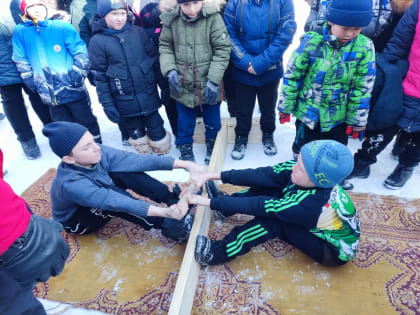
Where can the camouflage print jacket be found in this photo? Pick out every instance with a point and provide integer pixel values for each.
(328, 83)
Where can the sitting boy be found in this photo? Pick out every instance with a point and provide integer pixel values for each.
(298, 202)
(91, 182)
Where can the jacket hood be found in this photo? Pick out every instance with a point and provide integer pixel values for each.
(400, 6)
(171, 9)
(98, 25)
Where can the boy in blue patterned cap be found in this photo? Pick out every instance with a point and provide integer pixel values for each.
(90, 186)
(298, 202)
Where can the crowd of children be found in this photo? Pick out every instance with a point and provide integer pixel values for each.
(175, 53)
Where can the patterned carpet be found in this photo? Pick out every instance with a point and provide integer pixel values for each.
(125, 270)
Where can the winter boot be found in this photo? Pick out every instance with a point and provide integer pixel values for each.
(210, 146)
(214, 192)
(161, 146)
(239, 148)
(204, 250)
(268, 143)
(346, 185)
(140, 144)
(178, 230)
(361, 170)
(186, 151)
(31, 149)
(399, 176)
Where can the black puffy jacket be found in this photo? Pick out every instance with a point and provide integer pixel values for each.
(125, 69)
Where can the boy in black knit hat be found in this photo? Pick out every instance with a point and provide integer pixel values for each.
(91, 182)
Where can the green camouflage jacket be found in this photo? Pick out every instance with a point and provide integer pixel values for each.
(328, 83)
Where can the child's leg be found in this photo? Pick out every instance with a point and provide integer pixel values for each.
(211, 117)
(81, 112)
(337, 133)
(85, 221)
(245, 98)
(136, 131)
(172, 114)
(42, 110)
(160, 140)
(186, 124)
(267, 99)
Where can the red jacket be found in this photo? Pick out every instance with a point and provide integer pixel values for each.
(14, 215)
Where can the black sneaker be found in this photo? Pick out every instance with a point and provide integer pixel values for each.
(210, 146)
(204, 250)
(212, 190)
(239, 148)
(186, 151)
(178, 230)
(31, 149)
(269, 145)
(399, 177)
(361, 170)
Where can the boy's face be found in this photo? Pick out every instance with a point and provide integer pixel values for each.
(85, 153)
(344, 33)
(37, 12)
(299, 175)
(191, 8)
(116, 19)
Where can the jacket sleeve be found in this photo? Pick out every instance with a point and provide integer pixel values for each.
(20, 57)
(301, 208)
(361, 89)
(88, 194)
(98, 66)
(166, 50)
(398, 46)
(294, 76)
(220, 44)
(281, 39)
(77, 48)
(276, 176)
(240, 56)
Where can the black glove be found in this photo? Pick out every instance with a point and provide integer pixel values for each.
(112, 113)
(42, 254)
(212, 90)
(174, 81)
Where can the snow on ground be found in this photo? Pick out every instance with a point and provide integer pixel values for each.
(22, 172)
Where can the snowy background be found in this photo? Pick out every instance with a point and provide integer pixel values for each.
(22, 172)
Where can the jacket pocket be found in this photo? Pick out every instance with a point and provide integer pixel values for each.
(119, 81)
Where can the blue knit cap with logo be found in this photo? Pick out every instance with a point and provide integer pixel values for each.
(105, 6)
(63, 136)
(327, 162)
(353, 13)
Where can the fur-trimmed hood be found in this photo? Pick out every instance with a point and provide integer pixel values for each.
(170, 9)
(400, 6)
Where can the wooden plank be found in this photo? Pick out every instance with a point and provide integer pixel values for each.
(183, 297)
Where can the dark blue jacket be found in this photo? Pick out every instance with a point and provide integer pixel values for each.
(125, 69)
(9, 17)
(386, 104)
(256, 40)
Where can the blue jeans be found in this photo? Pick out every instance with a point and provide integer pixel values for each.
(186, 122)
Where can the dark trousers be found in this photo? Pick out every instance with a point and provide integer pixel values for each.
(87, 220)
(242, 238)
(305, 135)
(245, 100)
(15, 110)
(79, 111)
(152, 125)
(376, 141)
(15, 299)
(186, 122)
(172, 114)
(229, 89)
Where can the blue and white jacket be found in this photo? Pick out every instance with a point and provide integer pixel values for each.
(52, 60)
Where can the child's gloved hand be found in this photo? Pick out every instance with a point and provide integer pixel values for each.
(211, 92)
(284, 118)
(356, 132)
(112, 113)
(174, 81)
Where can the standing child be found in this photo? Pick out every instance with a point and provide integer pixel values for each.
(124, 62)
(53, 61)
(299, 203)
(329, 79)
(260, 31)
(194, 52)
